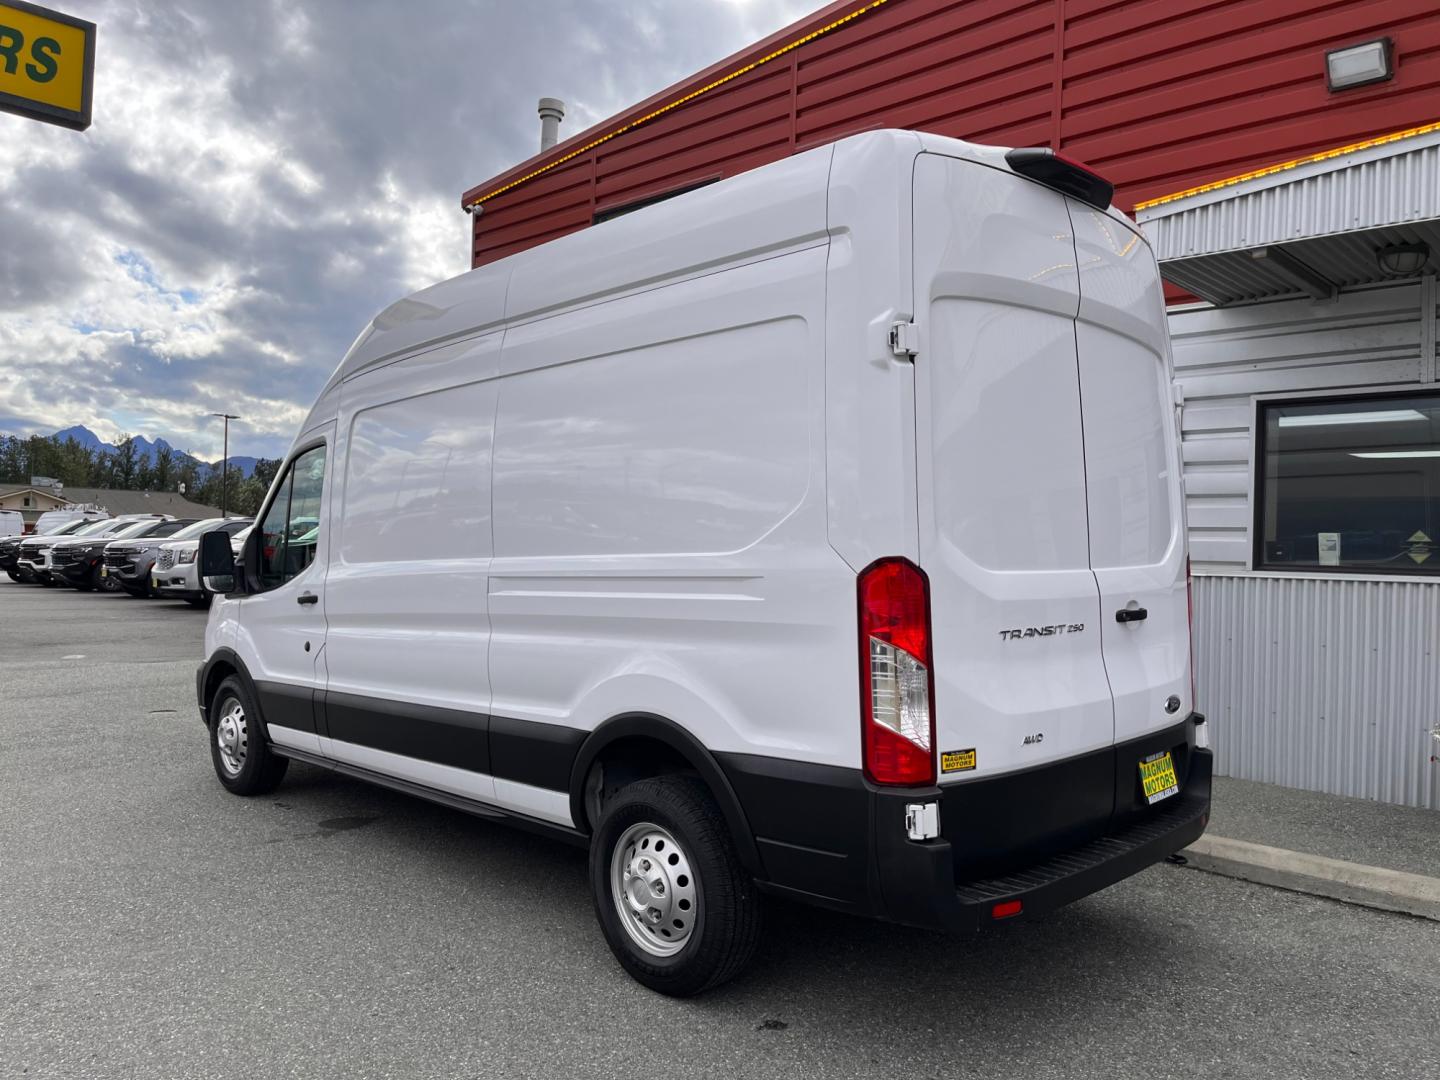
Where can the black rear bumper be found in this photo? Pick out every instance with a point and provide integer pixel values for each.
(918, 879)
(1043, 837)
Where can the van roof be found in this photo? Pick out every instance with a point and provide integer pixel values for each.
(777, 206)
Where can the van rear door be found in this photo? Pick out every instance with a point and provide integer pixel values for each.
(1019, 676)
(1132, 470)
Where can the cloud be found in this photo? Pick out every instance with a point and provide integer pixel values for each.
(261, 178)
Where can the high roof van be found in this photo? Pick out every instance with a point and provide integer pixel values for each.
(816, 533)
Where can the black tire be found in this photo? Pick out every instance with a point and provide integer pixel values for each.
(260, 770)
(726, 921)
(199, 601)
(13, 575)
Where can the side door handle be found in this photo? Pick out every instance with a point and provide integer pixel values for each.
(1125, 614)
(307, 598)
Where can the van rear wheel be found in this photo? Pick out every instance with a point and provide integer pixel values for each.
(242, 758)
(676, 907)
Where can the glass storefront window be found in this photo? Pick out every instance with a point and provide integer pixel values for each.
(1349, 484)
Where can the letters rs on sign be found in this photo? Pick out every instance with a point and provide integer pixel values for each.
(47, 64)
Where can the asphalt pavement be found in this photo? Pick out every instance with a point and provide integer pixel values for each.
(152, 925)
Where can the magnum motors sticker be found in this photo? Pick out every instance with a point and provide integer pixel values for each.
(957, 760)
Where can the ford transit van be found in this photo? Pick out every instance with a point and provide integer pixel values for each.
(816, 533)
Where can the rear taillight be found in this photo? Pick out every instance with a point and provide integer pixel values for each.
(1190, 624)
(1044, 166)
(896, 683)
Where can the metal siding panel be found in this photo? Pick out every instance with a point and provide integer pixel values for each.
(1322, 683)
(1158, 96)
(1389, 191)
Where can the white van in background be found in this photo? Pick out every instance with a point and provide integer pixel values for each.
(818, 532)
(12, 523)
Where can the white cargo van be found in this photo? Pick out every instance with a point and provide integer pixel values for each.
(818, 533)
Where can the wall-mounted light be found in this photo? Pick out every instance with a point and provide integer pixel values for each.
(1360, 65)
(1401, 259)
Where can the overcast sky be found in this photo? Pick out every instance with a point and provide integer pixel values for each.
(262, 176)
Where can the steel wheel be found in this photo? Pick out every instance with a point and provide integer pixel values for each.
(653, 886)
(232, 737)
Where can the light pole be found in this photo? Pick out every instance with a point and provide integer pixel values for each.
(225, 464)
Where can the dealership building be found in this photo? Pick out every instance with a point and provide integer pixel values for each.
(1283, 157)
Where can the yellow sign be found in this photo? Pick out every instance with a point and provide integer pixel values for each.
(1419, 546)
(957, 761)
(47, 64)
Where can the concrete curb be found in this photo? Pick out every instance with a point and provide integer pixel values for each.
(1370, 886)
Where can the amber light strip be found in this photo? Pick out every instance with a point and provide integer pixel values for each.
(1271, 170)
(857, 13)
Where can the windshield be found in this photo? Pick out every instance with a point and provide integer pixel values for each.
(102, 527)
(67, 528)
(134, 528)
(200, 528)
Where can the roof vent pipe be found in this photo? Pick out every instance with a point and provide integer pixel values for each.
(552, 111)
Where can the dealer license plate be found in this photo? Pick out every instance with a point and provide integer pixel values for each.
(1157, 777)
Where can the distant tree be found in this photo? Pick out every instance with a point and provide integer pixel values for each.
(163, 478)
(12, 458)
(101, 466)
(126, 463)
(73, 462)
(187, 475)
(265, 470)
(39, 456)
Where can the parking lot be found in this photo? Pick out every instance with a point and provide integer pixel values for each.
(152, 925)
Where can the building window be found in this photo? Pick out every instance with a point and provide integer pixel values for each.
(27, 500)
(1349, 485)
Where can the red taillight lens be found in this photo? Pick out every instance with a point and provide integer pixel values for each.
(1190, 617)
(896, 683)
(1007, 909)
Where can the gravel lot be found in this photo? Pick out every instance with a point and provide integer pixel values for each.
(153, 926)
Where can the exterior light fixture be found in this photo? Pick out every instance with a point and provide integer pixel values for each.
(1401, 259)
(1360, 65)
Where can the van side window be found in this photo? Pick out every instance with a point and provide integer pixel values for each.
(291, 527)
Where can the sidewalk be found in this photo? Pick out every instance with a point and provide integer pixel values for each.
(1346, 849)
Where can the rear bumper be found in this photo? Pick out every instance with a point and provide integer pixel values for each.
(1045, 837)
(919, 884)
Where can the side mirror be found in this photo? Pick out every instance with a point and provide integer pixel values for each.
(217, 562)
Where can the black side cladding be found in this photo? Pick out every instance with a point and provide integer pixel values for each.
(1044, 166)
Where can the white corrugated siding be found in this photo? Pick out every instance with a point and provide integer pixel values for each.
(1393, 184)
(1330, 685)
(1367, 339)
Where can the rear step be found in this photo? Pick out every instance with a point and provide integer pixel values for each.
(1090, 867)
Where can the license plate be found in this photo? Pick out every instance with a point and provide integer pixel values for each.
(1157, 777)
(104, 571)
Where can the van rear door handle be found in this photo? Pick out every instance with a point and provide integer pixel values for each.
(307, 598)
(1128, 614)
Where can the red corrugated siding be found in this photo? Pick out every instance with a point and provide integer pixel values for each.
(1157, 95)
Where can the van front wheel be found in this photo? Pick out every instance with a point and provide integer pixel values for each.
(676, 907)
(243, 760)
